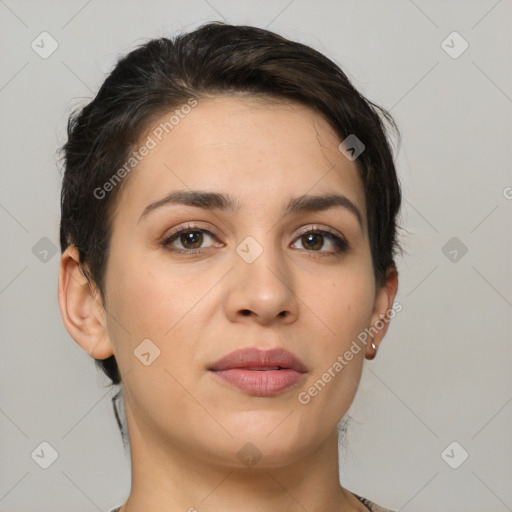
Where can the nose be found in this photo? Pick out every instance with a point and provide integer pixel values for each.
(262, 289)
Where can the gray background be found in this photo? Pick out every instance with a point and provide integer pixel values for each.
(443, 372)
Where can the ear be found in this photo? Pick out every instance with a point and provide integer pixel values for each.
(80, 307)
(381, 317)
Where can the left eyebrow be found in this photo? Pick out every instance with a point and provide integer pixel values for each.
(218, 201)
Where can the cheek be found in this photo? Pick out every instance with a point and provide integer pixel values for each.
(345, 304)
(137, 301)
(149, 300)
(149, 304)
(345, 308)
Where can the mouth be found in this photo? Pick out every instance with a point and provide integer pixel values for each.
(255, 359)
(260, 373)
(265, 368)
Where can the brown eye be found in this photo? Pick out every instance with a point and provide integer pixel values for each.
(194, 238)
(315, 239)
(190, 239)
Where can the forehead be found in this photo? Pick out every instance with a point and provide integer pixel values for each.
(262, 151)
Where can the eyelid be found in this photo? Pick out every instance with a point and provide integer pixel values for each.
(305, 229)
(185, 227)
(189, 226)
(335, 237)
(309, 228)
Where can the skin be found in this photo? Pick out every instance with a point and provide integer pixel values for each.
(186, 426)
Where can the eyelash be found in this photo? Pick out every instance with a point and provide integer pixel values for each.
(341, 244)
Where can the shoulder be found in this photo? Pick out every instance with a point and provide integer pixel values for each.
(372, 507)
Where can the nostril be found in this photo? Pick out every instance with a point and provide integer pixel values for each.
(246, 312)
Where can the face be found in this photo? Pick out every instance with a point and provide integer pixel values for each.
(192, 284)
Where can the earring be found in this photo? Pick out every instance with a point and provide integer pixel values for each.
(372, 355)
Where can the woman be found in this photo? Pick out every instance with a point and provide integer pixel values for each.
(228, 235)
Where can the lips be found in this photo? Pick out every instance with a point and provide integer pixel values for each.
(260, 360)
(260, 373)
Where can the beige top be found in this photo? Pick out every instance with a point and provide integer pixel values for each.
(372, 507)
